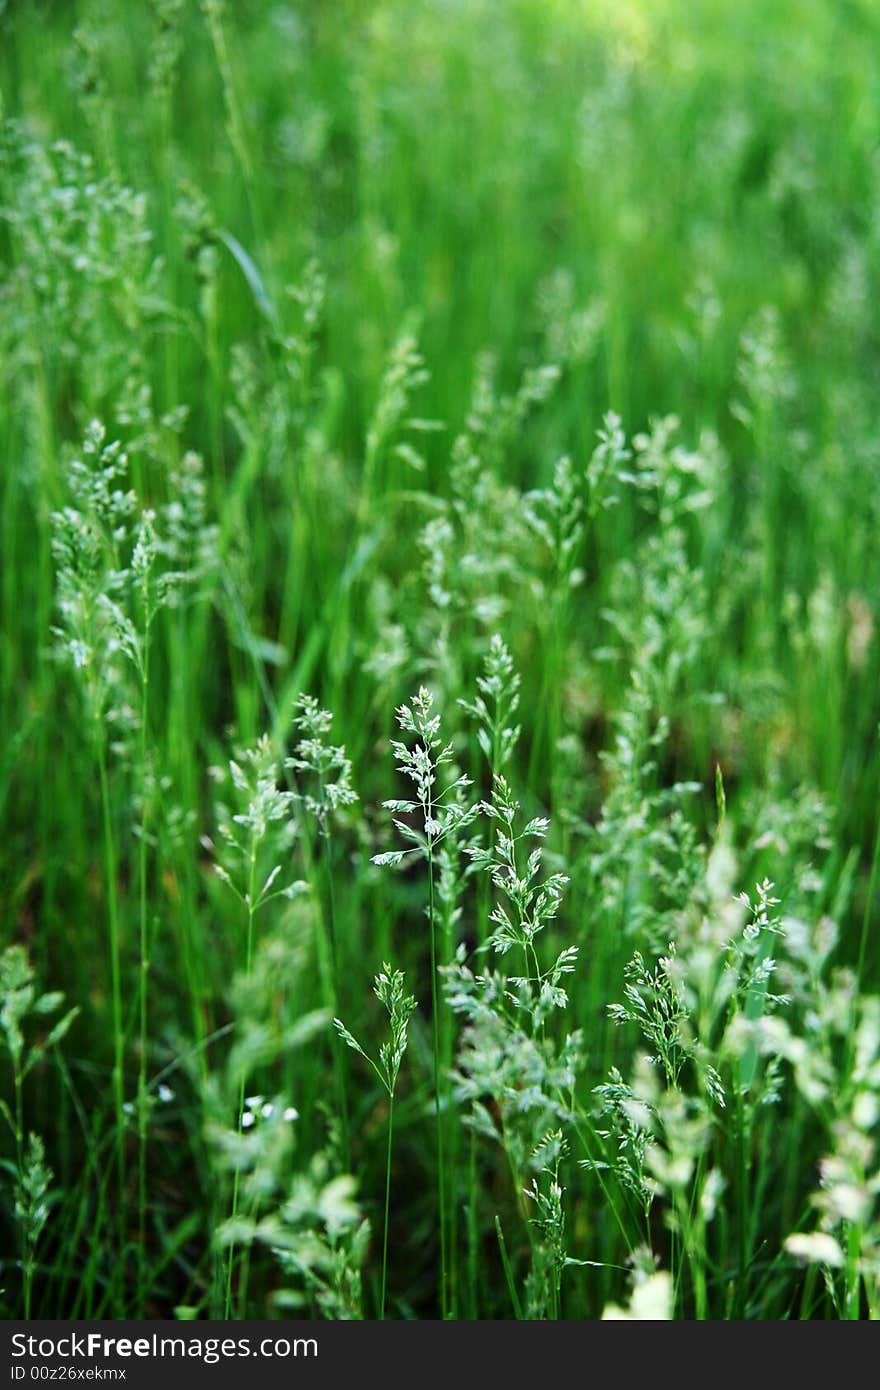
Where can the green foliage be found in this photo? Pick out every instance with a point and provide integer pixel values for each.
(338, 355)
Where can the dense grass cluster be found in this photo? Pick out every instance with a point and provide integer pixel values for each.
(438, 661)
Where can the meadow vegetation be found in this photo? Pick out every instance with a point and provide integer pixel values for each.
(438, 659)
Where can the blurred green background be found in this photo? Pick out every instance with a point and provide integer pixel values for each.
(216, 222)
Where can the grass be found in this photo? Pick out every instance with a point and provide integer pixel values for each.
(518, 354)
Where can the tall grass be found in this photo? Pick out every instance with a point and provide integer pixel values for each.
(518, 354)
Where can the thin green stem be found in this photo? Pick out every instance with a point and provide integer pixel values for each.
(331, 907)
(115, 985)
(338, 1048)
(742, 1204)
(387, 1205)
(508, 1272)
(853, 1277)
(26, 1262)
(438, 1107)
(869, 907)
(143, 1110)
(472, 1228)
(249, 947)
